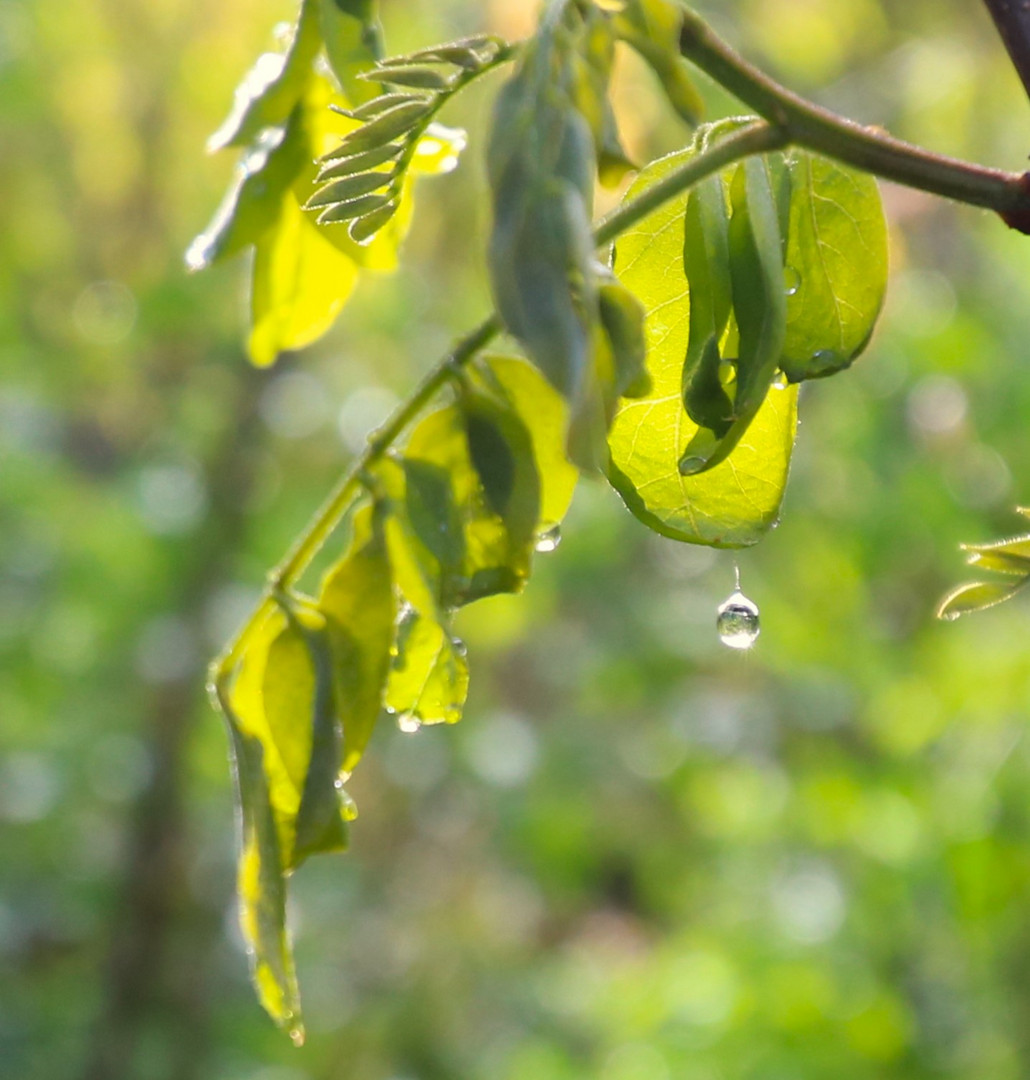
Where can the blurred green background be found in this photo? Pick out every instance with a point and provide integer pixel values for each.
(640, 857)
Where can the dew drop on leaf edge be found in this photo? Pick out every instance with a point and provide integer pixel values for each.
(548, 539)
(791, 280)
(737, 621)
(408, 723)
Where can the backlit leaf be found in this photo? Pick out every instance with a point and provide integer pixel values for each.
(836, 266)
(733, 504)
(300, 283)
(353, 43)
(977, 596)
(261, 885)
(544, 414)
(652, 28)
(429, 676)
(358, 603)
(270, 90)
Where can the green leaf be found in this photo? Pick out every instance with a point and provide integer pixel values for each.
(429, 677)
(977, 596)
(541, 161)
(652, 28)
(734, 503)
(759, 305)
(545, 417)
(358, 603)
(386, 127)
(622, 321)
(706, 262)
(417, 76)
(272, 88)
(358, 163)
(501, 452)
(353, 42)
(252, 204)
(836, 266)
(261, 884)
(478, 551)
(1006, 556)
(300, 283)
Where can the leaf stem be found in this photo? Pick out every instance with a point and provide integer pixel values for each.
(755, 138)
(868, 148)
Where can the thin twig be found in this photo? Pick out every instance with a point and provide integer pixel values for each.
(867, 148)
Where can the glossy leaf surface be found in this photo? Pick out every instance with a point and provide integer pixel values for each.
(836, 266)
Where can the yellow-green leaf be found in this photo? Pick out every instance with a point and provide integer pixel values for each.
(358, 603)
(429, 676)
(300, 283)
(977, 596)
(736, 502)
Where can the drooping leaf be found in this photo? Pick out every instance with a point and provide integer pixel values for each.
(274, 85)
(541, 161)
(652, 28)
(733, 504)
(252, 203)
(300, 283)
(479, 552)
(429, 676)
(706, 262)
(544, 415)
(836, 266)
(261, 885)
(759, 306)
(358, 603)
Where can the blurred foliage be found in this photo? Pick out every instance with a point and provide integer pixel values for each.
(640, 856)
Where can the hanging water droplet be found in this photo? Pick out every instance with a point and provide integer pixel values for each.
(825, 360)
(791, 280)
(409, 723)
(737, 621)
(781, 382)
(460, 648)
(548, 538)
(297, 1036)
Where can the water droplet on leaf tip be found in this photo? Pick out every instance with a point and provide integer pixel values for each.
(781, 382)
(548, 538)
(408, 723)
(737, 621)
(297, 1036)
(791, 280)
(691, 465)
(460, 647)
